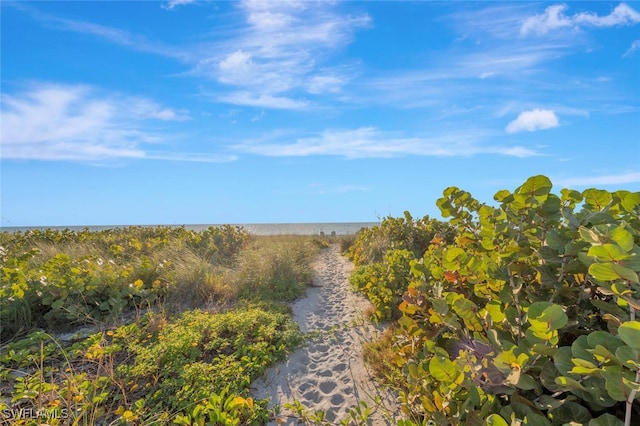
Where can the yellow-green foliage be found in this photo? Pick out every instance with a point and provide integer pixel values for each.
(196, 367)
(168, 363)
(383, 253)
(529, 315)
(404, 233)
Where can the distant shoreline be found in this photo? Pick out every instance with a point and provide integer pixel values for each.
(326, 228)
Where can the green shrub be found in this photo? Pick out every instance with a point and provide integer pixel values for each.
(384, 283)
(529, 315)
(404, 233)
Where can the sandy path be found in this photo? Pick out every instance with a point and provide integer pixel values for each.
(328, 372)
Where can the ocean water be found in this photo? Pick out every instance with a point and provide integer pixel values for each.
(337, 228)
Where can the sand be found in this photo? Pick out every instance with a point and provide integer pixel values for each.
(328, 372)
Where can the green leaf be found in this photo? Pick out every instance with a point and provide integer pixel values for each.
(554, 315)
(570, 412)
(589, 235)
(568, 383)
(606, 420)
(562, 360)
(536, 309)
(629, 332)
(631, 202)
(614, 384)
(608, 252)
(605, 339)
(555, 241)
(628, 357)
(547, 402)
(539, 185)
(571, 195)
(610, 272)
(583, 367)
(623, 238)
(527, 382)
(597, 198)
(496, 420)
(443, 369)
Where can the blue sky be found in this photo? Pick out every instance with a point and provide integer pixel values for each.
(185, 112)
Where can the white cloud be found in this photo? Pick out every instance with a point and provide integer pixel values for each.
(616, 179)
(170, 4)
(262, 100)
(635, 46)
(536, 119)
(81, 123)
(554, 17)
(621, 15)
(369, 142)
(281, 50)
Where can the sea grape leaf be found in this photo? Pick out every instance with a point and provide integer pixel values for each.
(629, 332)
(631, 202)
(597, 198)
(571, 195)
(614, 384)
(496, 420)
(610, 272)
(570, 412)
(606, 420)
(568, 383)
(628, 356)
(444, 370)
(589, 235)
(562, 361)
(555, 240)
(608, 252)
(604, 339)
(539, 185)
(622, 237)
(555, 316)
(547, 402)
(527, 382)
(583, 367)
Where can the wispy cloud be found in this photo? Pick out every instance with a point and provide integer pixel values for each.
(554, 18)
(635, 46)
(278, 55)
(614, 179)
(82, 123)
(171, 4)
(369, 142)
(248, 98)
(531, 121)
(114, 35)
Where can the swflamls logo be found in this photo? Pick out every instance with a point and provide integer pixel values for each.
(32, 413)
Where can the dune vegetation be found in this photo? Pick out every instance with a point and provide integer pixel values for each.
(520, 312)
(144, 325)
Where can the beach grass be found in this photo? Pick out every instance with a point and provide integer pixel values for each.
(145, 325)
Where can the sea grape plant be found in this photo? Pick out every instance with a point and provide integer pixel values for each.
(529, 315)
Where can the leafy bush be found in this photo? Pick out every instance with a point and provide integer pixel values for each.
(404, 233)
(384, 283)
(529, 315)
(56, 279)
(191, 369)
